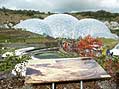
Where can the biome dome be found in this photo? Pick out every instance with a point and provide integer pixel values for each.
(66, 26)
(62, 25)
(105, 35)
(35, 25)
(93, 27)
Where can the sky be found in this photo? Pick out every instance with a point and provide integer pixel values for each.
(61, 6)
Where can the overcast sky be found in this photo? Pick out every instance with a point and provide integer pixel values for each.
(62, 5)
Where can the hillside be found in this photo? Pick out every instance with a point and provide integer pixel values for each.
(20, 36)
(100, 15)
(14, 16)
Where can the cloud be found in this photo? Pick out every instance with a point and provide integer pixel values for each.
(110, 3)
(75, 5)
(26, 4)
(62, 5)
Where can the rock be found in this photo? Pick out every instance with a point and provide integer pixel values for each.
(107, 85)
(20, 70)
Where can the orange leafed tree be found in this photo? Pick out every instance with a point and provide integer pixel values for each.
(85, 46)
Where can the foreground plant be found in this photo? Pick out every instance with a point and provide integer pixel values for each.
(6, 49)
(9, 62)
(109, 63)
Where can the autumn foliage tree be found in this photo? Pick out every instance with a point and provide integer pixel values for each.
(86, 46)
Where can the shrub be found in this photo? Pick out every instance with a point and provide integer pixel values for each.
(10, 61)
(89, 46)
(109, 63)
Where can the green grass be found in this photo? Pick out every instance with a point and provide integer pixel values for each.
(20, 36)
(110, 43)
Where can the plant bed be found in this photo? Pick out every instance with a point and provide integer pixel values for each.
(10, 82)
(18, 83)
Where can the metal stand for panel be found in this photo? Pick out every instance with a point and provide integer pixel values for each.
(81, 84)
(53, 86)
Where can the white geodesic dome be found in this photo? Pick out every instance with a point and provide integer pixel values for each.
(34, 25)
(93, 27)
(62, 25)
(66, 26)
(105, 35)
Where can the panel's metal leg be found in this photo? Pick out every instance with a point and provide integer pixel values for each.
(53, 85)
(81, 84)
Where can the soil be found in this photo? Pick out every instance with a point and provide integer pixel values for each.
(18, 83)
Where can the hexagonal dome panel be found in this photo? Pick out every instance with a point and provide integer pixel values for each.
(62, 25)
(35, 25)
(93, 27)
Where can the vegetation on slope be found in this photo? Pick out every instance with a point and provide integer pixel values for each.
(14, 16)
(20, 36)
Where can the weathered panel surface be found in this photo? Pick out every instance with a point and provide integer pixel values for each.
(59, 70)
